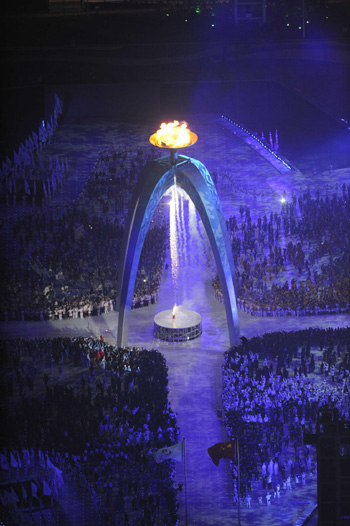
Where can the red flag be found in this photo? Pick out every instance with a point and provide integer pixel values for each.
(222, 450)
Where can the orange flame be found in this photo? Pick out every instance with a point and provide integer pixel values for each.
(174, 310)
(173, 135)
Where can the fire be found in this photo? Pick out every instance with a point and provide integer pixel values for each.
(174, 310)
(173, 135)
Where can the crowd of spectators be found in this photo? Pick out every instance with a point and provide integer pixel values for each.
(64, 258)
(295, 262)
(31, 176)
(273, 389)
(81, 404)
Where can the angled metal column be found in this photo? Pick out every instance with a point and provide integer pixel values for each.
(194, 178)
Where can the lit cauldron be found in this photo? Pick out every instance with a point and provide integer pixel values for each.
(173, 136)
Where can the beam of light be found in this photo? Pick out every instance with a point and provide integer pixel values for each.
(178, 222)
(198, 243)
(174, 255)
(183, 225)
(192, 218)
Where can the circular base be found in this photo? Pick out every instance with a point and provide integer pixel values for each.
(187, 325)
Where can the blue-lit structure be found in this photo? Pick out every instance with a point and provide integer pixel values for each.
(193, 177)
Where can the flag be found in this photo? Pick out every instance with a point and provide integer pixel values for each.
(18, 459)
(42, 136)
(46, 489)
(14, 463)
(10, 185)
(7, 498)
(222, 450)
(34, 490)
(26, 158)
(3, 462)
(3, 498)
(58, 479)
(26, 187)
(26, 456)
(41, 459)
(49, 463)
(35, 139)
(58, 103)
(49, 128)
(24, 493)
(169, 453)
(29, 144)
(5, 168)
(16, 159)
(14, 495)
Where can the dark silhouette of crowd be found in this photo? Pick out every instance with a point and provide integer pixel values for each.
(296, 262)
(273, 389)
(96, 411)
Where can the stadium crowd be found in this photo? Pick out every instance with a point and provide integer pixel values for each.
(307, 243)
(273, 389)
(62, 259)
(32, 176)
(69, 254)
(98, 411)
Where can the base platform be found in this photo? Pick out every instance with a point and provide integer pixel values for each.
(187, 325)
